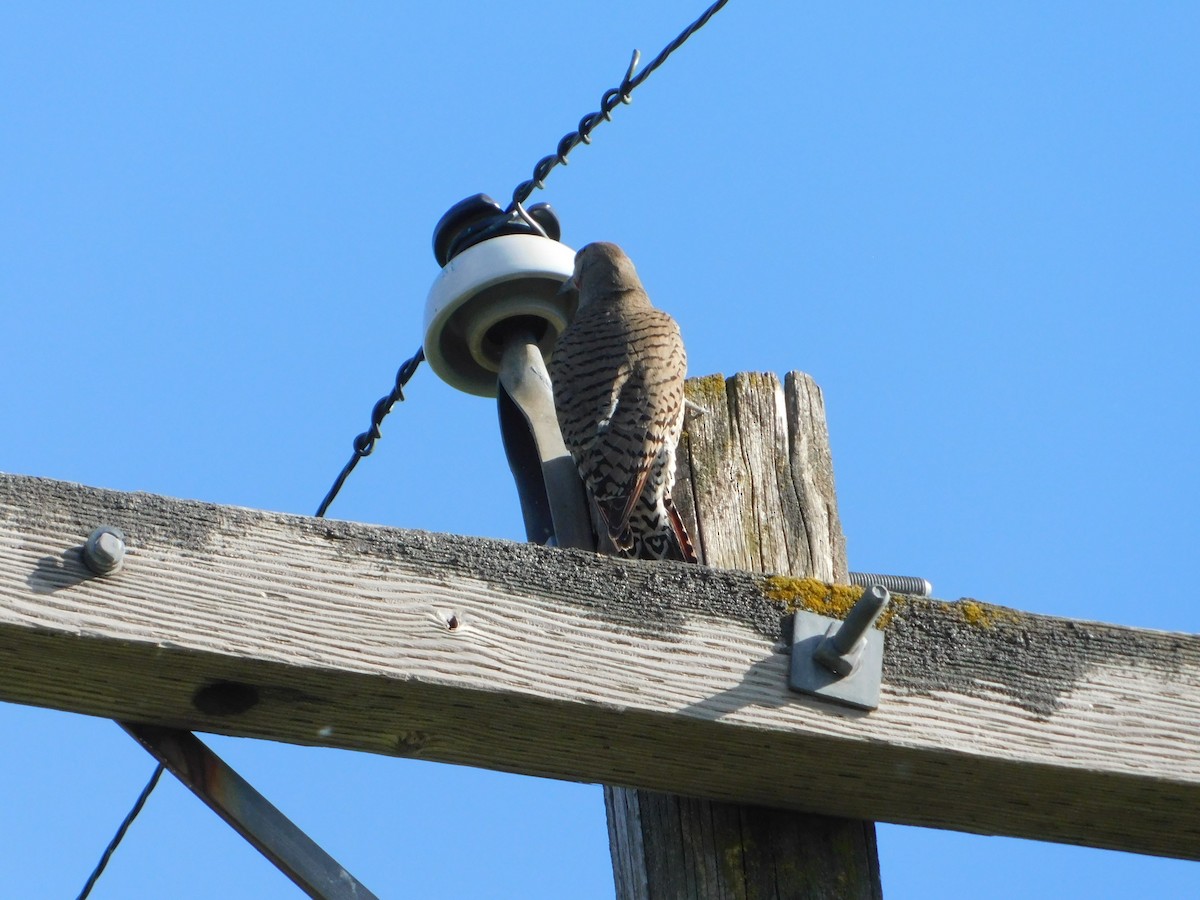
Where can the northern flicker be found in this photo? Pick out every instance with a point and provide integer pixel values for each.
(618, 373)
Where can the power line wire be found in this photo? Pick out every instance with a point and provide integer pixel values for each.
(112, 845)
(365, 442)
(608, 102)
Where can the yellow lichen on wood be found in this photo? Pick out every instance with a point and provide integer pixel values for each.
(835, 600)
(710, 387)
(984, 615)
(810, 594)
(831, 600)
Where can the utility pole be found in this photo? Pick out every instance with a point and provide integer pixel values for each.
(756, 486)
(756, 481)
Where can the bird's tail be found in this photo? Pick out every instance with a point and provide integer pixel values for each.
(657, 533)
(687, 553)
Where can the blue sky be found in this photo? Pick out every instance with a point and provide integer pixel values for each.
(975, 227)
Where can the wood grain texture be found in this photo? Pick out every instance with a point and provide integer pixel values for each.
(571, 665)
(758, 483)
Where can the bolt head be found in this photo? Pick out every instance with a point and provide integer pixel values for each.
(105, 550)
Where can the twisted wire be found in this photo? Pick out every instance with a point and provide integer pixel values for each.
(364, 443)
(608, 102)
(121, 829)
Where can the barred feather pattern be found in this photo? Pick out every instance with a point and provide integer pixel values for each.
(618, 375)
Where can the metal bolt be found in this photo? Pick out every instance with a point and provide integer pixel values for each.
(897, 584)
(841, 647)
(105, 550)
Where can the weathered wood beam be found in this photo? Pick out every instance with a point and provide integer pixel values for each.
(571, 665)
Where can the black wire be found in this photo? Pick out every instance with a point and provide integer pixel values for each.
(608, 102)
(112, 845)
(364, 444)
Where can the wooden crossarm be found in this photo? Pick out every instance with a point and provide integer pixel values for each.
(571, 665)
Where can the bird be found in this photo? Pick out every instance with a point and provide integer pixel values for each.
(617, 373)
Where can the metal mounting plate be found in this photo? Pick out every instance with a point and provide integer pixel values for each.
(859, 689)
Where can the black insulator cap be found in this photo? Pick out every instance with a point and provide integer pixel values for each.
(544, 215)
(479, 217)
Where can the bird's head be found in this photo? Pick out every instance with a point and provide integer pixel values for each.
(602, 271)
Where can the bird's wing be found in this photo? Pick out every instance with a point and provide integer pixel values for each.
(622, 449)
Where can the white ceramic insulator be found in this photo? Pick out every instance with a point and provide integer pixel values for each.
(513, 277)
